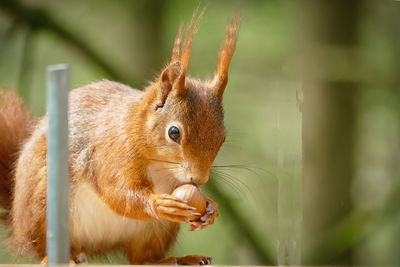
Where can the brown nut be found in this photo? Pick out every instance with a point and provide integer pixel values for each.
(194, 197)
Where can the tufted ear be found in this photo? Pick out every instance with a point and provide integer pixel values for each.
(225, 55)
(168, 81)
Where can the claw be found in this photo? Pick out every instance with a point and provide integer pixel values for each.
(187, 260)
(206, 220)
(210, 209)
(166, 196)
(167, 207)
(173, 203)
(81, 257)
(194, 225)
(176, 211)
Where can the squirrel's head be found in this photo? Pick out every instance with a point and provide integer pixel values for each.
(184, 116)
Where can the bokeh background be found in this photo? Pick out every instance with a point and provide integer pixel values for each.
(309, 173)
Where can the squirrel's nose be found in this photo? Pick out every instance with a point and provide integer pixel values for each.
(199, 181)
(197, 176)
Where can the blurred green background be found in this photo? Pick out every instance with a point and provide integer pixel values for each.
(312, 112)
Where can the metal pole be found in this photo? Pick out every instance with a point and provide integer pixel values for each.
(57, 165)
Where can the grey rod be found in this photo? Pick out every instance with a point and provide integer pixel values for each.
(58, 248)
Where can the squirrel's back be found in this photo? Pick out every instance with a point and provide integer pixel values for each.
(88, 107)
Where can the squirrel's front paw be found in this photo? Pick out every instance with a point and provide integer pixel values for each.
(167, 207)
(208, 218)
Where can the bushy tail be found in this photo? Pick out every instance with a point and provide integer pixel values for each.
(16, 124)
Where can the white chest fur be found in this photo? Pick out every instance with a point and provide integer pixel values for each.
(93, 223)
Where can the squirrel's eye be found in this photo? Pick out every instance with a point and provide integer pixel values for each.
(174, 133)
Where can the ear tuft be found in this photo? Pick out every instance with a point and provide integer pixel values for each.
(226, 53)
(168, 80)
(182, 50)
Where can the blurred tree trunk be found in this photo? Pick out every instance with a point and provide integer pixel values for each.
(329, 120)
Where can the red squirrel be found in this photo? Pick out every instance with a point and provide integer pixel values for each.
(129, 149)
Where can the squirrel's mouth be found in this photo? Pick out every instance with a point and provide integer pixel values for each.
(183, 183)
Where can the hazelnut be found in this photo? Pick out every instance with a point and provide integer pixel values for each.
(194, 197)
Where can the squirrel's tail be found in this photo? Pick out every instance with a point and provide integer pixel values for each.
(16, 124)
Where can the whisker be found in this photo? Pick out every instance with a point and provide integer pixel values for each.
(238, 190)
(257, 171)
(240, 183)
(235, 191)
(236, 180)
(223, 183)
(235, 183)
(237, 166)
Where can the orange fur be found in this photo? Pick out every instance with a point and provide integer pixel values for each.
(187, 44)
(182, 54)
(226, 53)
(15, 126)
(176, 51)
(124, 165)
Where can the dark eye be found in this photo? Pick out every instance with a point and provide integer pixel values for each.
(174, 133)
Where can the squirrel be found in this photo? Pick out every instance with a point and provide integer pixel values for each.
(129, 149)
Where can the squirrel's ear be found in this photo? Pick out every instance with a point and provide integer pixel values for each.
(168, 80)
(225, 55)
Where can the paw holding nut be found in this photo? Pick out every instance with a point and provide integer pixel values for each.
(194, 197)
